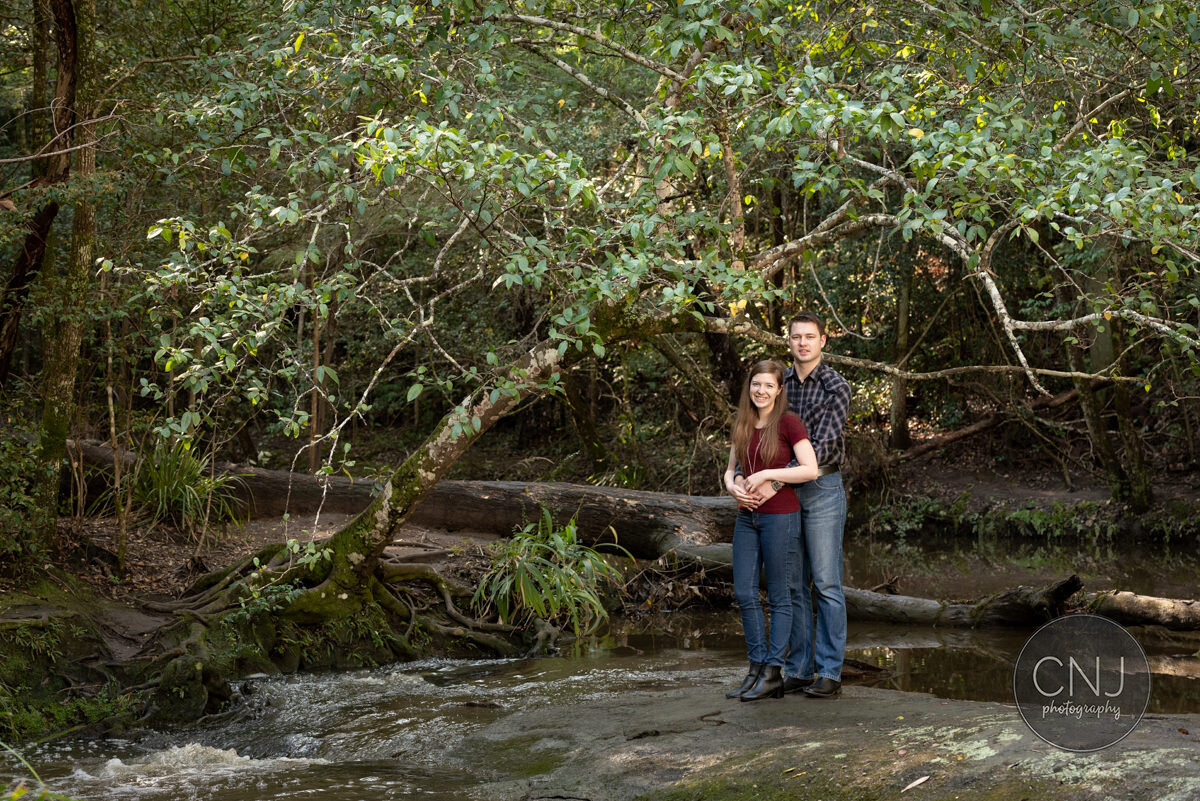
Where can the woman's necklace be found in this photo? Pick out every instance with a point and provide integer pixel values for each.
(757, 451)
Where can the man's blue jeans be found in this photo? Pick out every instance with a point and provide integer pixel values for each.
(765, 543)
(822, 520)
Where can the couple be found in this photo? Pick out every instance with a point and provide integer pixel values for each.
(789, 431)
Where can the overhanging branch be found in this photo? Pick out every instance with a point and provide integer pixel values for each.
(595, 36)
(740, 326)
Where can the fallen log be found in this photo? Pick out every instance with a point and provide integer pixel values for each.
(647, 524)
(690, 529)
(1142, 610)
(265, 493)
(1021, 606)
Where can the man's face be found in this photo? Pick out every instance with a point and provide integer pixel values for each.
(806, 343)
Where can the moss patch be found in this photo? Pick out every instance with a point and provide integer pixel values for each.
(50, 646)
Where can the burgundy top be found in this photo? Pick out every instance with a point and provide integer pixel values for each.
(791, 431)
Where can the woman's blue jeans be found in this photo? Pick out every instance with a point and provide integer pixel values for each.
(765, 544)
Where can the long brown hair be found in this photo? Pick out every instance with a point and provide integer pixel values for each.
(747, 418)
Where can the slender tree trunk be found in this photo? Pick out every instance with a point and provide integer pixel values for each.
(63, 349)
(314, 414)
(118, 489)
(1189, 430)
(898, 418)
(1118, 482)
(778, 237)
(585, 424)
(1141, 493)
(56, 170)
(37, 94)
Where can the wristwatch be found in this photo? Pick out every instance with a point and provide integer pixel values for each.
(777, 485)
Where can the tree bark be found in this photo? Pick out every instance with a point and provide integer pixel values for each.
(1021, 606)
(585, 424)
(1118, 482)
(1142, 610)
(56, 170)
(69, 318)
(898, 415)
(1141, 494)
(37, 93)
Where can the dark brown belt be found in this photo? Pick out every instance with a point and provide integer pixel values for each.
(826, 469)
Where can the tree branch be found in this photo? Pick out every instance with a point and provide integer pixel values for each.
(597, 37)
(740, 326)
(132, 70)
(586, 81)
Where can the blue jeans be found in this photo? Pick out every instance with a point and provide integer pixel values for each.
(765, 544)
(822, 520)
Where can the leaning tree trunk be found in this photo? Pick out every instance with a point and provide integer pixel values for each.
(344, 585)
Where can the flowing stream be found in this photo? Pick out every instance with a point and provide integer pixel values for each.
(399, 732)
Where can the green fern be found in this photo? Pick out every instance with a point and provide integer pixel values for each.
(543, 571)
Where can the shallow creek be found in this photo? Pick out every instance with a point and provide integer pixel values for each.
(400, 731)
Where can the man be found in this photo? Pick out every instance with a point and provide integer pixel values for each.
(821, 397)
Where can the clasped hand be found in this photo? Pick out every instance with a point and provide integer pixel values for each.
(752, 491)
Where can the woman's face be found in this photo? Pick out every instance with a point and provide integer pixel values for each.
(764, 389)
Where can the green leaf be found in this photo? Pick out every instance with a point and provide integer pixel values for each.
(414, 392)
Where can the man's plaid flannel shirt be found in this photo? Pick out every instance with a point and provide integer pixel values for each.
(823, 402)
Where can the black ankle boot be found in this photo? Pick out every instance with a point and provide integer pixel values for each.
(748, 682)
(769, 685)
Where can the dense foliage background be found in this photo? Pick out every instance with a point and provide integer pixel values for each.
(331, 235)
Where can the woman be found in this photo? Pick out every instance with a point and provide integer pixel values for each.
(766, 437)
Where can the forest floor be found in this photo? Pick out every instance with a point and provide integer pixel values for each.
(984, 480)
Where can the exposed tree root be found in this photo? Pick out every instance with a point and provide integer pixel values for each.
(280, 613)
(490, 642)
(393, 572)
